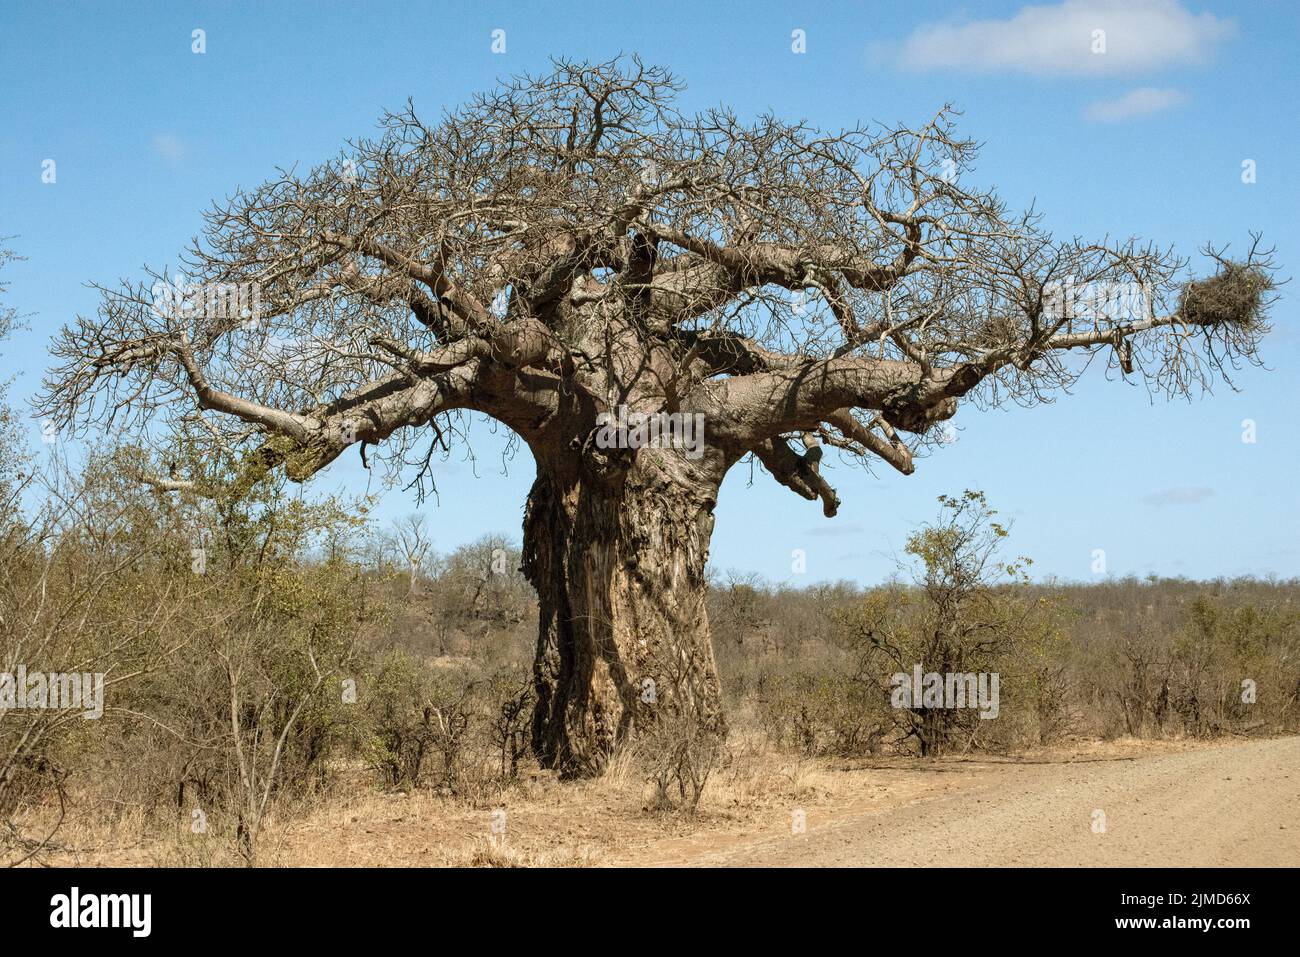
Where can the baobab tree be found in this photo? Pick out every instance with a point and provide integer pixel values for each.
(572, 245)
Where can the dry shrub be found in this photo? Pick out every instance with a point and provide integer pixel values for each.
(823, 713)
(453, 728)
(679, 742)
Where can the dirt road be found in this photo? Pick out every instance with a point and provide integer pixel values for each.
(1235, 804)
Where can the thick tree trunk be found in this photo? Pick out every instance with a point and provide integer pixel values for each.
(618, 565)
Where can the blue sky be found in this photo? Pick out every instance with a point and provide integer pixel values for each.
(1147, 139)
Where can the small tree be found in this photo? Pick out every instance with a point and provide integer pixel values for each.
(968, 613)
(413, 539)
(256, 704)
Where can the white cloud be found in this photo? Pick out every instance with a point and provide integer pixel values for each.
(168, 147)
(1140, 36)
(1140, 102)
(1179, 496)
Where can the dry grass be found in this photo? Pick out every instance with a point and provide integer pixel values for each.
(548, 823)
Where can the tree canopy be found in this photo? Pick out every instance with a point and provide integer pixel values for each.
(573, 242)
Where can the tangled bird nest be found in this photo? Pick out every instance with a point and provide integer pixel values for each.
(1234, 295)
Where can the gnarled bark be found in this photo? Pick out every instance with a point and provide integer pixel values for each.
(618, 564)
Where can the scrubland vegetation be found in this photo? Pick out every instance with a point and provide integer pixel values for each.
(263, 654)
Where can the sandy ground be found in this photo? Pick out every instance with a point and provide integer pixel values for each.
(1235, 804)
